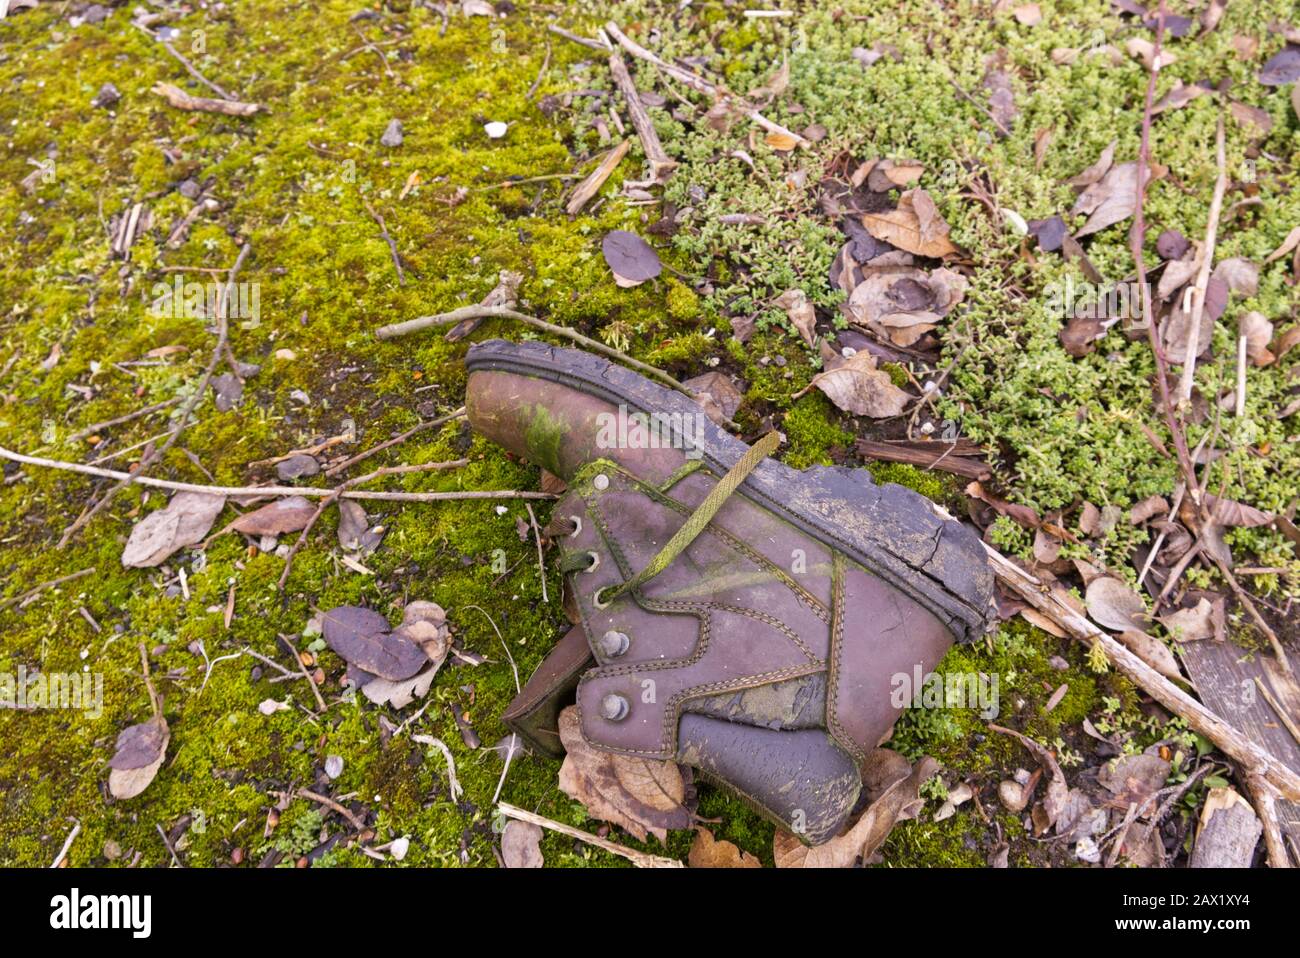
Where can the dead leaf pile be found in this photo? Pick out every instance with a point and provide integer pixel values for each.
(390, 666)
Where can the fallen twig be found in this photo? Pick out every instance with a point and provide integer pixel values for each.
(183, 101)
(67, 845)
(303, 669)
(22, 597)
(118, 420)
(1203, 274)
(453, 784)
(697, 83)
(486, 312)
(392, 246)
(639, 859)
(309, 492)
(328, 802)
(589, 187)
(1200, 719)
(389, 443)
(661, 165)
(223, 301)
(541, 564)
(573, 37)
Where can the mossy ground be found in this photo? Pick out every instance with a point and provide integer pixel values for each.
(294, 183)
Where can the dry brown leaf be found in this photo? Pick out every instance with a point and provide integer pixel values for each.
(915, 226)
(900, 800)
(800, 312)
(1151, 651)
(645, 797)
(1112, 604)
(1191, 625)
(1145, 51)
(781, 142)
(858, 387)
(1257, 122)
(707, 852)
(1097, 170)
(1258, 333)
(275, 518)
(1034, 617)
(141, 750)
(1029, 15)
(1291, 242)
(1229, 512)
(1148, 508)
(184, 521)
(1111, 200)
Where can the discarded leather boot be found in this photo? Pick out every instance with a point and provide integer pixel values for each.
(761, 624)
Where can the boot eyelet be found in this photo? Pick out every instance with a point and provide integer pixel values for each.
(614, 643)
(595, 561)
(595, 599)
(577, 526)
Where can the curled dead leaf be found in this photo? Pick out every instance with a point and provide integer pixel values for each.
(899, 801)
(708, 852)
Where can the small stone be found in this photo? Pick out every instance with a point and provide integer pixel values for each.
(399, 848)
(393, 134)
(1087, 851)
(112, 850)
(296, 467)
(334, 766)
(236, 856)
(189, 189)
(107, 96)
(495, 130)
(1012, 796)
(1058, 663)
(288, 355)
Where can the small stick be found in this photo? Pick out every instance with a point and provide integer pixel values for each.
(272, 663)
(193, 71)
(320, 447)
(303, 669)
(392, 246)
(476, 312)
(591, 185)
(223, 301)
(378, 52)
(148, 682)
(541, 564)
(328, 802)
(30, 593)
(118, 420)
(639, 859)
(183, 101)
(168, 845)
(695, 82)
(389, 443)
(661, 165)
(546, 62)
(67, 844)
(309, 492)
(1203, 275)
(574, 38)
(1241, 376)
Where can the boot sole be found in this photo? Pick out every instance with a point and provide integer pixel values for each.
(890, 530)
